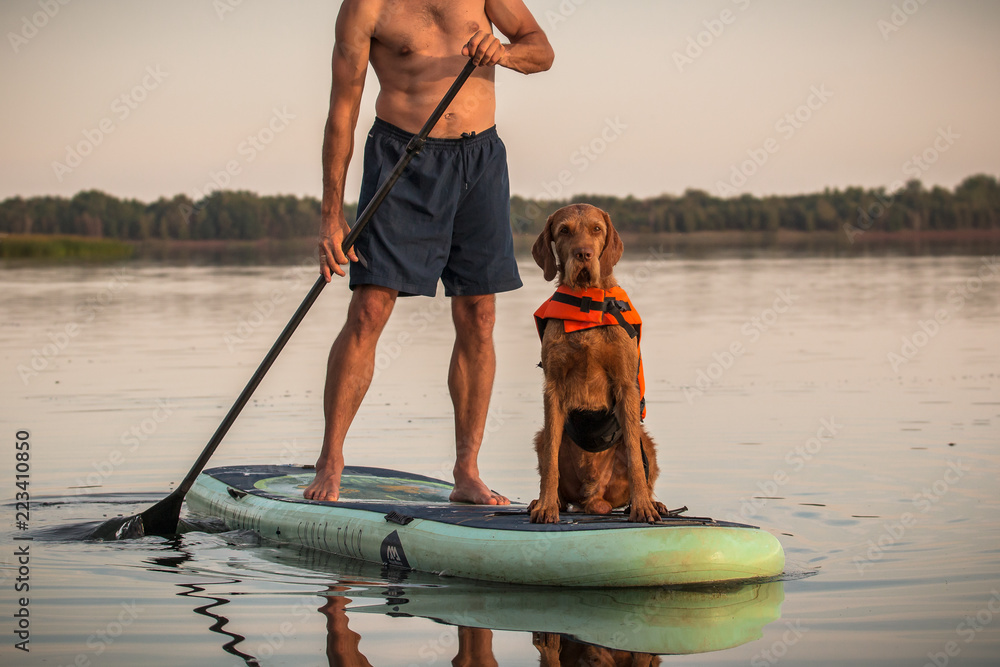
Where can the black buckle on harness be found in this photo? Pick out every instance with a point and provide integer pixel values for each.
(586, 303)
(614, 308)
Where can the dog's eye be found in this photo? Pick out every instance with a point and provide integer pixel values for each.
(564, 230)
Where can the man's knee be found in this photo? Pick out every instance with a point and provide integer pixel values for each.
(475, 316)
(369, 311)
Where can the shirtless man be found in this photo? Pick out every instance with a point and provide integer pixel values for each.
(447, 217)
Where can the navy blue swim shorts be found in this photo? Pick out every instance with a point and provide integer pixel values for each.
(447, 217)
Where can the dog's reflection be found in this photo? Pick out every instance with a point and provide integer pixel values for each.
(475, 645)
(558, 651)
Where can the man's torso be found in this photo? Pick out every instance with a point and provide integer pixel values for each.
(416, 51)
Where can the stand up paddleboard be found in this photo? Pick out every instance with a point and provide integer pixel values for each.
(406, 521)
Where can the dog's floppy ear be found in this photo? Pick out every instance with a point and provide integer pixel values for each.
(613, 248)
(543, 253)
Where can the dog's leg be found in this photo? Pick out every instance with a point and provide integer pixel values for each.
(548, 648)
(627, 409)
(546, 508)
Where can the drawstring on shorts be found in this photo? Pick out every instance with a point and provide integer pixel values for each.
(465, 158)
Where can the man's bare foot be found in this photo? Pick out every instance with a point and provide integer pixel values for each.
(474, 491)
(325, 486)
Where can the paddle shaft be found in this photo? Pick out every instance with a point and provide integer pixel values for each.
(412, 148)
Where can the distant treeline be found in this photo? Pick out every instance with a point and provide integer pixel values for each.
(221, 215)
(974, 204)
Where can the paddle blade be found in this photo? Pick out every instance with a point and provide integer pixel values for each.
(119, 528)
(160, 519)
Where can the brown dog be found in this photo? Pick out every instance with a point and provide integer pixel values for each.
(590, 373)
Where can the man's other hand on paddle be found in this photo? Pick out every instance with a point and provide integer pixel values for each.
(333, 231)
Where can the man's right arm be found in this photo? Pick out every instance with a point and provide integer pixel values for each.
(355, 27)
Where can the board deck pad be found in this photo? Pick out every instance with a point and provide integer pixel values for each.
(363, 487)
(413, 496)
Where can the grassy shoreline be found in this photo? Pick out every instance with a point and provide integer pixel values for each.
(63, 247)
(638, 246)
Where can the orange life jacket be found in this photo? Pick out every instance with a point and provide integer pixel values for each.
(592, 307)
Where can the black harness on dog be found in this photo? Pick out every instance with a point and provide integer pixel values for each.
(597, 431)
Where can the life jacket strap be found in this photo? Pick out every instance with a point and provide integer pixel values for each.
(610, 305)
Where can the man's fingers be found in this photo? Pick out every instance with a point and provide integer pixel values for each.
(484, 49)
(332, 258)
(489, 54)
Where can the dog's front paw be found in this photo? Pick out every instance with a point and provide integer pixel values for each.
(543, 513)
(546, 640)
(645, 511)
(548, 644)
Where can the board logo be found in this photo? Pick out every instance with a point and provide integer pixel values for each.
(391, 551)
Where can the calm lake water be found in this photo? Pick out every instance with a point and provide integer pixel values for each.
(850, 406)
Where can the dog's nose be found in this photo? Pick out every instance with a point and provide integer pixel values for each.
(583, 254)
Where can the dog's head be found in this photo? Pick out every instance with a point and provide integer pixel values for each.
(580, 244)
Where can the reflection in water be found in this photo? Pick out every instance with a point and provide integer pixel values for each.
(174, 563)
(555, 650)
(221, 621)
(475, 645)
(596, 626)
(343, 645)
(641, 620)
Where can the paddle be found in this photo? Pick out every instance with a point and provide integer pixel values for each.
(161, 518)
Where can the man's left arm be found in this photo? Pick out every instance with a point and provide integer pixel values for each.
(529, 50)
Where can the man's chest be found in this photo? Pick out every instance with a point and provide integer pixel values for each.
(418, 26)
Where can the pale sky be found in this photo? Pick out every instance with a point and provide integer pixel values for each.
(645, 97)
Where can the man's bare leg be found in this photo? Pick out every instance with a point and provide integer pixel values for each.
(475, 648)
(349, 373)
(470, 379)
